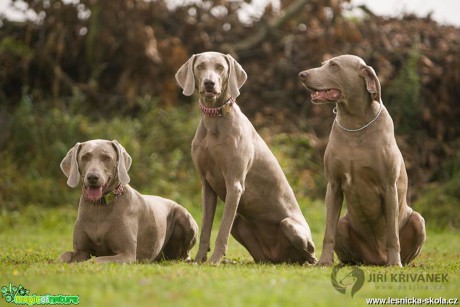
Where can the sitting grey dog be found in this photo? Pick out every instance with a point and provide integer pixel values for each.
(364, 166)
(236, 165)
(116, 223)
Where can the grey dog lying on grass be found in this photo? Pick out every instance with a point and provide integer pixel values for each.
(364, 165)
(116, 223)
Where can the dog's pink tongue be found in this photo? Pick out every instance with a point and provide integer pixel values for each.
(93, 193)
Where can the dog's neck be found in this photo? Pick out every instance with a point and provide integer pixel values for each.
(107, 198)
(228, 114)
(223, 108)
(357, 118)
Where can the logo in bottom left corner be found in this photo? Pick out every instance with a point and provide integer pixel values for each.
(21, 296)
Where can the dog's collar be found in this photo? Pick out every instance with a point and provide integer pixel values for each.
(359, 129)
(219, 111)
(108, 198)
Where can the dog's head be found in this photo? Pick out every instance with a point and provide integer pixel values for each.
(101, 165)
(214, 75)
(341, 79)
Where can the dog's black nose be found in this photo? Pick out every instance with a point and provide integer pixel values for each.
(92, 178)
(303, 75)
(208, 84)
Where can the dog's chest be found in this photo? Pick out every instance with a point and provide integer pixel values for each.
(352, 166)
(97, 221)
(210, 167)
(213, 156)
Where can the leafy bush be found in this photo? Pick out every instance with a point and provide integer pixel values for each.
(404, 94)
(300, 162)
(439, 202)
(38, 139)
(158, 140)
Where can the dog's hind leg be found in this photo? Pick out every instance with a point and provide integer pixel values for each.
(347, 245)
(300, 237)
(352, 249)
(183, 237)
(412, 237)
(243, 232)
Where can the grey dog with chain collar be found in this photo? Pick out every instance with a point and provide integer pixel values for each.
(364, 166)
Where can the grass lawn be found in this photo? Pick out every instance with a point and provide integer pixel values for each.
(31, 240)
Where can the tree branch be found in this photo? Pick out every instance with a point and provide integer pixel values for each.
(252, 41)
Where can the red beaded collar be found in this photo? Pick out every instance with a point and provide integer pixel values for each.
(219, 111)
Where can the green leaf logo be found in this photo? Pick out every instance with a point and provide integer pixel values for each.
(10, 292)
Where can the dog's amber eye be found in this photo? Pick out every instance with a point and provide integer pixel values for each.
(333, 64)
(200, 67)
(106, 158)
(85, 158)
(220, 67)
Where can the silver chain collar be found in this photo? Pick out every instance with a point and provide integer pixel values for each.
(359, 129)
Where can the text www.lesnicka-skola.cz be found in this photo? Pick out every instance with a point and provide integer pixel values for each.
(412, 301)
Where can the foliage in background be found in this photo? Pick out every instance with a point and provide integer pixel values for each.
(403, 94)
(38, 139)
(300, 162)
(158, 141)
(440, 203)
(110, 53)
(105, 69)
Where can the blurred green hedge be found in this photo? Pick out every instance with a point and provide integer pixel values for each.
(38, 138)
(158, 139)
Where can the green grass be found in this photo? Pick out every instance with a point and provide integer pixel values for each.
(35, 237)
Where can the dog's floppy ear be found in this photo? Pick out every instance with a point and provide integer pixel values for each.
(124, 163)
(372, 82)
(236, 76)
(186, 78)
(69, 166)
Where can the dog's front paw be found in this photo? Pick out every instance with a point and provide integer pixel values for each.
(65, 257)
(325, 262)
(216, 260)
(201, 256)
(394, 263)
(394, 258)
(69, 257)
